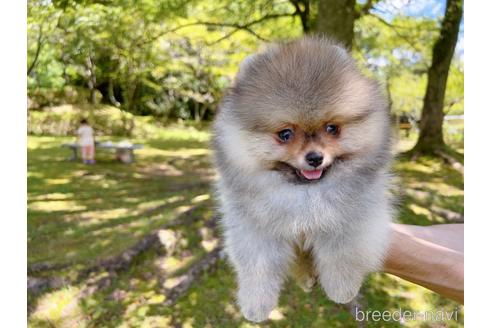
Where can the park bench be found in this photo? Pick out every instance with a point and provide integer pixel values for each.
(405, 126)
(123, 150)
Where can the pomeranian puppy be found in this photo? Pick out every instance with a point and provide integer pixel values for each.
(302, 145)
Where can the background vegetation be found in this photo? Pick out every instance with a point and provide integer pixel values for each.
(115, 245)
(173, 59)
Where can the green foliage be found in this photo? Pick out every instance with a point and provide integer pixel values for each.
(175, 58)
(46, 72)
(455, 88)
(64, 120)
(398, 53)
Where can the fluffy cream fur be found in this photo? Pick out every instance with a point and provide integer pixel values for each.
(342, 219)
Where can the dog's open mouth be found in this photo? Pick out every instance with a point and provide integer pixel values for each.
(300, 176)
(310, 174)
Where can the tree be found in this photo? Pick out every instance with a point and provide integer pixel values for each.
(174, 58)
(303, 11)
(431, 136)
(336, 19)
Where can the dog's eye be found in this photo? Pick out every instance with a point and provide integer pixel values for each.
(332, 129)
(285, 135)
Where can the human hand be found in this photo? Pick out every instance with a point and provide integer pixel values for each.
(431, 256)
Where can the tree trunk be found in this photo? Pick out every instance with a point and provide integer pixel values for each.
(91, 82)
(431, 136)
(196, 111)
(38, 50)
(203, 112)
(302, 10)
(129, 93)
(111, 97)
(336, 20)
(65, 62)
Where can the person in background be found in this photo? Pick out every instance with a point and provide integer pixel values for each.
(86, 141)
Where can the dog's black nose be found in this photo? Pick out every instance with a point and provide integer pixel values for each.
(314, 159)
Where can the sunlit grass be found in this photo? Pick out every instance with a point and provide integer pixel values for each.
(59, 309)
(108, 206)
(80, 214)
(57, 205)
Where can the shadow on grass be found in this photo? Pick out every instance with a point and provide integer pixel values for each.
(91, 212)
(80, 214)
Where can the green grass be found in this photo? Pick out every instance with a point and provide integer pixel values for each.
(92, 212)
(80, 214)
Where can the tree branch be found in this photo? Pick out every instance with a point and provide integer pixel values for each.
(38, 50)
(207, 263)
(246, 27)
(453, 102)
(250, 31)
(398, 26)
(303, 14)
(395, 29)
(364, 10)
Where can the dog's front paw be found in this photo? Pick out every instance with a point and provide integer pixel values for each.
(307, 283)
(341, 289)
(257, 308)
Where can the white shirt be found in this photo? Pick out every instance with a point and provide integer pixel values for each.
(86, 135)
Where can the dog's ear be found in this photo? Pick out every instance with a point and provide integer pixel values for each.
(244, 66)
(265, 51)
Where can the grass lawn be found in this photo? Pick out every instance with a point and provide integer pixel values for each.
(79, 215)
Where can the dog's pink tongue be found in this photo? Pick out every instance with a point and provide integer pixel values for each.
(311, 175)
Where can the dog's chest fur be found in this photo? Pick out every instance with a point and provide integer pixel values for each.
(283, 209)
